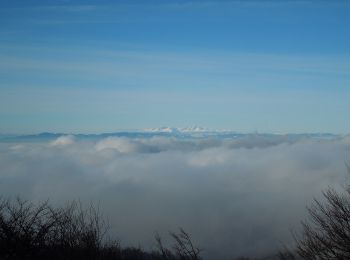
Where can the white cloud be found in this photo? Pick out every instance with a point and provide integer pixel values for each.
(247, 193)
(63, 140)
(122, 145)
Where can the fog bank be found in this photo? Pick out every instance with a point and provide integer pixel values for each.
(235, 197)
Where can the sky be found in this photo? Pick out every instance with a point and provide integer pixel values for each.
(248, 66)
(102, 66)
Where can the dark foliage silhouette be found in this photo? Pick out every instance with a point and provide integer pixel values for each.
(326, 235)
(183, 247)
(29, 231)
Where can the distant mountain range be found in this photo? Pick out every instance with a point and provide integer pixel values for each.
(193, 129)
(187, 132)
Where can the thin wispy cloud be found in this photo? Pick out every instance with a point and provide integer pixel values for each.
(187, 4)
(67, 8)
(132, 63)
(125, 12)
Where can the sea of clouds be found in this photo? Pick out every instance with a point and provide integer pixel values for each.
(234, 196)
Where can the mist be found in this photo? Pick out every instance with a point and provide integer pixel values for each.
(234, 196)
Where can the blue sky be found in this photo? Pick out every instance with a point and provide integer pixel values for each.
(100, 66)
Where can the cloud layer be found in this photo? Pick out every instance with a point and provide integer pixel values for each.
(235, 196)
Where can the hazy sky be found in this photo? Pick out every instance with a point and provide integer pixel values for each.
(97, 66)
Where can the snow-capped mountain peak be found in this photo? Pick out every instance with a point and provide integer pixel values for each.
(163, 129)
(191, 129)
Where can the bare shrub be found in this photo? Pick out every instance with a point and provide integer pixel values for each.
(34, 232)
(326, 235)
(29, 231)
(183, 247)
